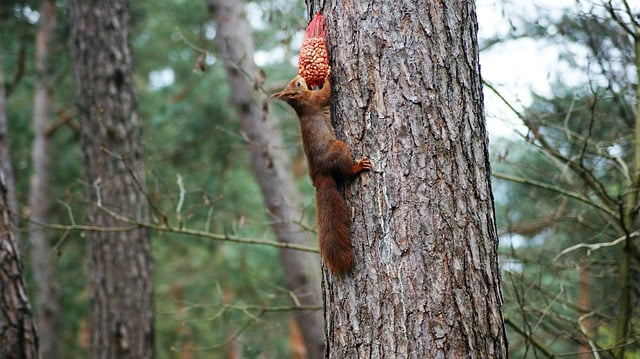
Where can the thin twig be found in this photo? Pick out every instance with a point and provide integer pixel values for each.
(553, 188)
(529, 338)
(595, 246)
(132, 224)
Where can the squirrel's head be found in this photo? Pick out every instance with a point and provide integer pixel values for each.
(294, 92)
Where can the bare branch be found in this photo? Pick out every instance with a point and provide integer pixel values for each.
(180, 199)
(621, 22)
(592, 120)
(134, 224)
(578, 196)
(529, 338)
(594, 246)
(630, 13)
(582, 172)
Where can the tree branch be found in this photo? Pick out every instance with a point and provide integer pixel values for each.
(529, 338)
(595, 246)
(134, 224)
(620, 22)
(578, 196)
(586, 175)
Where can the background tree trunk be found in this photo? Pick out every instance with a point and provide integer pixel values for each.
(120, 261)
(270, 164)
(407, 92)
(6, 164)
(18, 337)
(586, 305)
(43, 264)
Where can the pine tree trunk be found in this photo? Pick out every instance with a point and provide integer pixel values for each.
(270, 165)
(120, 261)
(43, 262)
(18, 337)
(407, 92)
(5, 159)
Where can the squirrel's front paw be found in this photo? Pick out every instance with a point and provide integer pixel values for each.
(365, 164)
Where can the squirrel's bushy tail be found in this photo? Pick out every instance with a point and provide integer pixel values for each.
(333, 226)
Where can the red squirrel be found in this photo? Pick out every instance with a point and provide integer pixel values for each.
(330, 166)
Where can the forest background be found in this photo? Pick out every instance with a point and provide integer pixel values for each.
(558, 175)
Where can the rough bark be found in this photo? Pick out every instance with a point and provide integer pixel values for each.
(120, 270)
(18, 337)
(5, 159)
(270, 164)
(407, 92)
(43, 264)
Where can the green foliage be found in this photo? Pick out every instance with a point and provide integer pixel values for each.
(542, 288)
(210, 295)
(571, 177)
